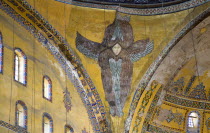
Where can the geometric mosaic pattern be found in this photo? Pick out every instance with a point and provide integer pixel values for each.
(177, 88)
(155, 129)
(169, 116)
(12, 127)
(187, 103)
(143, 12)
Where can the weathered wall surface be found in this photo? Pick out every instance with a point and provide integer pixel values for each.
(184, 76)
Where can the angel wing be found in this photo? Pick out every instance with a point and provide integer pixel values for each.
(140, 49)
(88, 48)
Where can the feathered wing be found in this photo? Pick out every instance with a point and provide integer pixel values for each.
(140, 49)
(88, 48)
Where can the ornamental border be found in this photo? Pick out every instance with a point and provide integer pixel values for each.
(153, 67)
(186, 103)
(151, 110)
(1, 53)
(139, 11)
(12, 127)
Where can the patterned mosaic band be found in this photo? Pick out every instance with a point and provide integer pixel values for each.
(51, 34)
(1, 54)
(151, 111)
(187, 103)
(12, 127)
(143, 12)
(152, 128)
(148, 75)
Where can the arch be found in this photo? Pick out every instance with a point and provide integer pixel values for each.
(47, 123)
(68, 63)
(21, 114)
(143, 83)
(68, 129)
(1, 53)
(193, 122)
(20, 66)
(47, 88)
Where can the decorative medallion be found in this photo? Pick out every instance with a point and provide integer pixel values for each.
(67, 100)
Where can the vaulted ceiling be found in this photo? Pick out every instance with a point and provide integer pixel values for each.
(58, 22)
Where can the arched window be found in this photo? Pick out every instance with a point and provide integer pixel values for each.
(193, 123)
(1, 53)
(47, 88)
(68, 129)
(21, 114)
(20, 66)
(47, 123)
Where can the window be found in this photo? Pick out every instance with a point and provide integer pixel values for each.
(47, 88)
(193, 122)
(68, 129)
(21, 114)
(1, 54)
(47, 123)
(20, 66)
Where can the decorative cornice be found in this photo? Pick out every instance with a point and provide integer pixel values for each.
(31, 20)
(153, 67)
(146, 11)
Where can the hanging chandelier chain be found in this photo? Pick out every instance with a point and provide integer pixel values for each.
(194, 50)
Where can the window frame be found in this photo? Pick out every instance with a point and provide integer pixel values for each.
(68, 127)
(19, 102)
(50, 119)
(24, 66)
(187, 121)
(43, 86)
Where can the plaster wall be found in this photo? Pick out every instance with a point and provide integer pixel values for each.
(39, 63)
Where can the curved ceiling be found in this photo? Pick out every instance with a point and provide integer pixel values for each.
(135, 3)
(139, 7)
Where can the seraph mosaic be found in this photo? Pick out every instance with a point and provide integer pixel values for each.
(116, 55)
